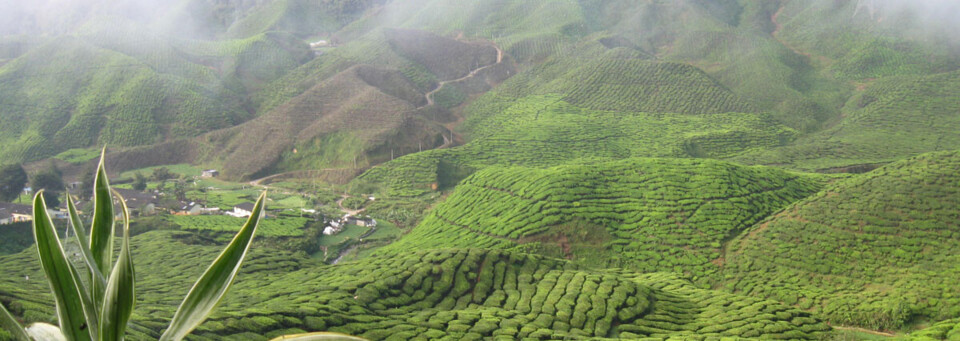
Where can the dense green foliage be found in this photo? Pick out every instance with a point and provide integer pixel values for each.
(269, 227)
(546, 131)
(12, 180)
(644, 214)
(453, 293)
(877, 250)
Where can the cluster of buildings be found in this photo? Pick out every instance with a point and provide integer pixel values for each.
(15, 213)
(337, 225)
(139, 204)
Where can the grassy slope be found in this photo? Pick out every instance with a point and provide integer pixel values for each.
(876, 250)
(894, 118)
(134, 88)
(644, 214)
(459, 294)
(545, 131)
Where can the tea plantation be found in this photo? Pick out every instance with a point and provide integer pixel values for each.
(877, 250)
(543, 131)
(644, 214)
(451, 294)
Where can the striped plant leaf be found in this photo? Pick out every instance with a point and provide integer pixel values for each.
(213, 284)
(119, 298)
(96, 280)
(101, 230)
(75, 311)
(10, 324)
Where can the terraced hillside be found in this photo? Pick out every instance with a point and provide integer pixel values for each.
(132, 88)
(877, 250)
(459, 294)
(944, 330)
(893, 118)
(644, 214)
(543, 131)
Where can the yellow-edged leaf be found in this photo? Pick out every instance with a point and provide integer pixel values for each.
(213, 284)
(97, 281)
(101, 230)
(119, 298)
(10, 324)
(74, 307)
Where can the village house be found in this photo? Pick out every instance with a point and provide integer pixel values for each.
(15, 213)
(335, 226)
(139, 203)
(242, 211)
(210, 173)
(190, 209)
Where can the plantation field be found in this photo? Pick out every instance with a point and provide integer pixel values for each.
(545, 131)
(461, 294)
(269, 227)
(877, 250)
(643, 214)
(892, 119)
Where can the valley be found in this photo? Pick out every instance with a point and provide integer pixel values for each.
(499, 169)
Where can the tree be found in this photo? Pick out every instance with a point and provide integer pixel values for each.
(86, 183)
(162, 173)
(49, 179)
(51, 198)
(180, 189)
(12, 180)
(139, 182)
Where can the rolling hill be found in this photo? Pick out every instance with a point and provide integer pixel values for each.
(876, 250)
(644, 214)
(462, 294)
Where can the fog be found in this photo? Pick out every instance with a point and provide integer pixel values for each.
(185, 18)
(207, 18)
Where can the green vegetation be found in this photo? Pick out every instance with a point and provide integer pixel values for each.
(944, 330)
(354, 203)
(269, 227)
(877, 250)
(78, 155)
(97, 302)
(644, 214)
(12, 180)
(453, 293)
(546, 131)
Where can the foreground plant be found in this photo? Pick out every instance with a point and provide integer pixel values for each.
(100, 307)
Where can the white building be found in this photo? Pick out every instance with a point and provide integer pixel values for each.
(242, 211)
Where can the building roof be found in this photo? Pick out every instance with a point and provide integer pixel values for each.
(7, 210)
(137, 199)
(245, 206)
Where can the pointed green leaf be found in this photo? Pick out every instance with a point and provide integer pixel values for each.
(98, 283)
(74, 307)
(118, 300)
(321, 336)
(10, 324)
(213, 284)
(101, 230)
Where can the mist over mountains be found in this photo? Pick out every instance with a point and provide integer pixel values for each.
(544, 169)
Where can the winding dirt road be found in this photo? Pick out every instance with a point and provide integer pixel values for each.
(429, 95)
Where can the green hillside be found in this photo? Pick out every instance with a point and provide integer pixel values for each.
(944, 330)
(460, 294)
(644, 214)
(543, 131)
(131, 88)
(877, 250)
(893, 118)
